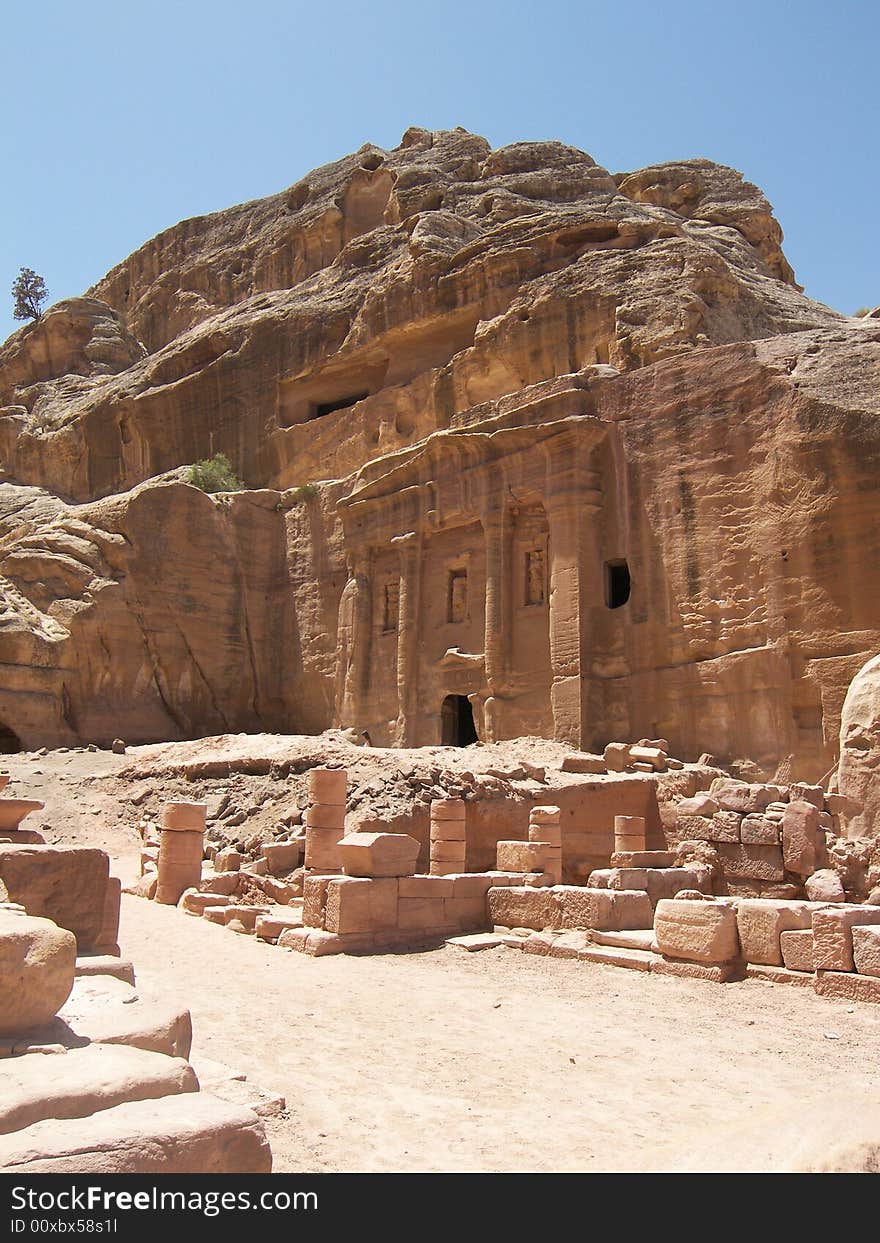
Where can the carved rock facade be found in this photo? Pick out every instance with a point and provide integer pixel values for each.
(528, 447)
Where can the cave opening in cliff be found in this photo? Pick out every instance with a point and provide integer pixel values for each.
(9, 740)
(339, 403)
(457, 722)
(617, 583)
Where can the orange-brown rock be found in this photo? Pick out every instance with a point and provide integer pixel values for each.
(583, 462)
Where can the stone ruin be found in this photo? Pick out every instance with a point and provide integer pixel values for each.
(94, 1076)
(730, 879)
(527, 448)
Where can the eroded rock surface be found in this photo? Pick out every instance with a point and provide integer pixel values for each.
(430, 363)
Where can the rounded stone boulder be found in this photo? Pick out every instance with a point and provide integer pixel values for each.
(37, 963)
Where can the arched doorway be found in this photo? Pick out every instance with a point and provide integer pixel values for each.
(457, 727)
(9, 740)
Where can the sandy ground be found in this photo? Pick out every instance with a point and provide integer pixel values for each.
(446, 1061)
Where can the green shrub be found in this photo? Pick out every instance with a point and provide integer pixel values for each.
(215, 474)
(307, 492)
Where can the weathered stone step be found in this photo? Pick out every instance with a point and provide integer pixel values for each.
(638, 939)
(197, 1134)
(105, 964)
(85, 1081)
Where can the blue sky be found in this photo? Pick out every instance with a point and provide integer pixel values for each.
(121, 119)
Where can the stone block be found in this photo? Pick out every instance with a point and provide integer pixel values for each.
(471, 884)
(761, 922)
(421, 914)
(426, 886)
(245, 916)
(616, 756)
(448, 831)
(866, 950)
(630, 909)
(600, 878)
(379, 854)
(847, 986)
(194, 1134)
(832, 935)
(325, 816)
(521, 856)
(699, 931)
(800, 838)
(725, 826)
(694, 828)
(579, 907)
(37, 962)
(226, 883)
(328, 786)
(448, 852)
(322, 848)
(648, 755)
(800, 792)
(667, 882)
(278, 890)
(477, 941)
(448, 809)
(550, 833)
(447, 867)
(194, 902)
(314, 900)
(108, 937)
(103, 1010)
(643, 859)
(214, 914)
(545, 814)
(757, 830)
(66, 884)
(105, 964)
(522, 907)
(701, 804)
(228, 860)
(760, 863)
(270, 927)
(824, 886)
(797, 949)
(179, 864)
(92, 1079)
(356, 904)
(184, 817)
(739, 796)
(584, 764)
(713, 973)
(281, 857)
(469, 914)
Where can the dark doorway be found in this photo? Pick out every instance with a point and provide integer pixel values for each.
(457, 722)
(339, 403)
(617, 583)
(9, 741)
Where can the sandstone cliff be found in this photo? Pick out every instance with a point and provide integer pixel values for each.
(380, 326)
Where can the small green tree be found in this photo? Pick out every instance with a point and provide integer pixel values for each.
(215, 474)
(30, 292)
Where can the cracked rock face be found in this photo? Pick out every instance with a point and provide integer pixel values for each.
(372, 328)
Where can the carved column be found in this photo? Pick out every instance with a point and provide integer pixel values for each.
(572, 504)
(354, 640)
(497, 532)
(410, 547)
(363, 637)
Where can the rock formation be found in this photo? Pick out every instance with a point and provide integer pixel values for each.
(528, 448)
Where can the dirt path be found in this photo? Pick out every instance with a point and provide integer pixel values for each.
(502, 1061)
